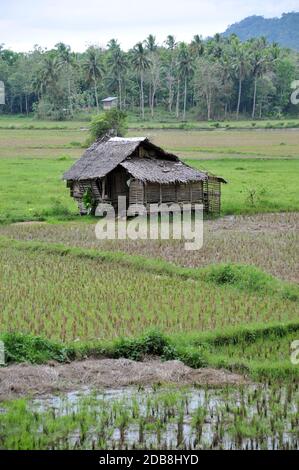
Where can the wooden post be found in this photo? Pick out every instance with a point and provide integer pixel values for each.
(103, 188)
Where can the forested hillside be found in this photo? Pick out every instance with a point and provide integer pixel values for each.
(217, 78)
(284, 30)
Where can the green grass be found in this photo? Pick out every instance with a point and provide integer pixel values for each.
(161, 121)
(274, 184)
(32, 189)
(261, 352)
(30, 123)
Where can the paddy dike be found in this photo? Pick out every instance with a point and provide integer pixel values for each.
(22, 380)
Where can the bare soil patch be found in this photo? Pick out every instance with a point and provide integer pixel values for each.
(34, 380)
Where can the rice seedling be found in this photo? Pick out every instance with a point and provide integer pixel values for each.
(254, 417)
(61, 297)
(268, 241)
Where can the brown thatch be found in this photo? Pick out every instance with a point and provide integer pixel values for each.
(157, 166)
(162, 171)
(101, 158)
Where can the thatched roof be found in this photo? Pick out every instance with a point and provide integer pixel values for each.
(105, 155)
(161, 171)
(101, 158)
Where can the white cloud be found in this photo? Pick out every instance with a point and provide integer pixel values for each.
(24, 23)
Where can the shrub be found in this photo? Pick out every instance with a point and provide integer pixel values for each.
(151, 343)
(35, 349)
(113, 119)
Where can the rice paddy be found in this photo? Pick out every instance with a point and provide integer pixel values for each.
(268, 241)
(246, 418)
(62, 297)
(98, 297)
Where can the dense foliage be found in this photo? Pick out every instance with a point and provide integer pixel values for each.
(113, 120)
(215, 78)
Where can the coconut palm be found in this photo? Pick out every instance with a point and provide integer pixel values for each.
(49, 72)
(197, 46)
(66, 59)
(241, 65)
(170, 42)
(117, 66)
(141, 63)
(93, 69)
(150, 43)
(185, 69)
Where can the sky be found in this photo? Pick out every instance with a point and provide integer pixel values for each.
(24, 23)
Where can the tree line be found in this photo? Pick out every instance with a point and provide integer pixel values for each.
(216, 78)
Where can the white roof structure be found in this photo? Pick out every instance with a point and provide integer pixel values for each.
(109, 98)
(127, 139)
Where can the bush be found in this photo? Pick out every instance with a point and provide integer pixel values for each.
(27, 348)
(151, 343)
(191, 356)
(47, 110)
(112, 120)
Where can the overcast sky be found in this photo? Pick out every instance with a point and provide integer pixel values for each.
(78, 23)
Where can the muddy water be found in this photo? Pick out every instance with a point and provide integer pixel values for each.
(255, 417)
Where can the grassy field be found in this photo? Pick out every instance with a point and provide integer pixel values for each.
(261, 166)
(32, 188)
(159, 122)
(95, 291)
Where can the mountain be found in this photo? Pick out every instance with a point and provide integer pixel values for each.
(284, 30)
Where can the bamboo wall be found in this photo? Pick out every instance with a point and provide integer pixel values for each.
(115, 184)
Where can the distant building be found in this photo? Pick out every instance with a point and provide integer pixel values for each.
(110, 102)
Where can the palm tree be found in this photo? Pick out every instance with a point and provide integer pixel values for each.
(197, 46)
(170, 42)
(185, 69)
(140, 62)
(259, 58)
(117, 64)
(66, 59)
(49, 71)
(150, 43)
(93, 69)
(170, 76)
(240, 63)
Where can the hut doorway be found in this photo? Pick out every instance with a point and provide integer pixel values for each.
(117, 185)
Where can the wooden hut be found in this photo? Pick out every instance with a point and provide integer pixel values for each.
(141, 171)
(110, 102)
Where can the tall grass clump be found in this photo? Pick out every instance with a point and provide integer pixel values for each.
(21, 347)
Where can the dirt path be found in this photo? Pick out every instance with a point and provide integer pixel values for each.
(25, 379)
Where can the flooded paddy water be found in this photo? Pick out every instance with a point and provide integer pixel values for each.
(262, 416)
